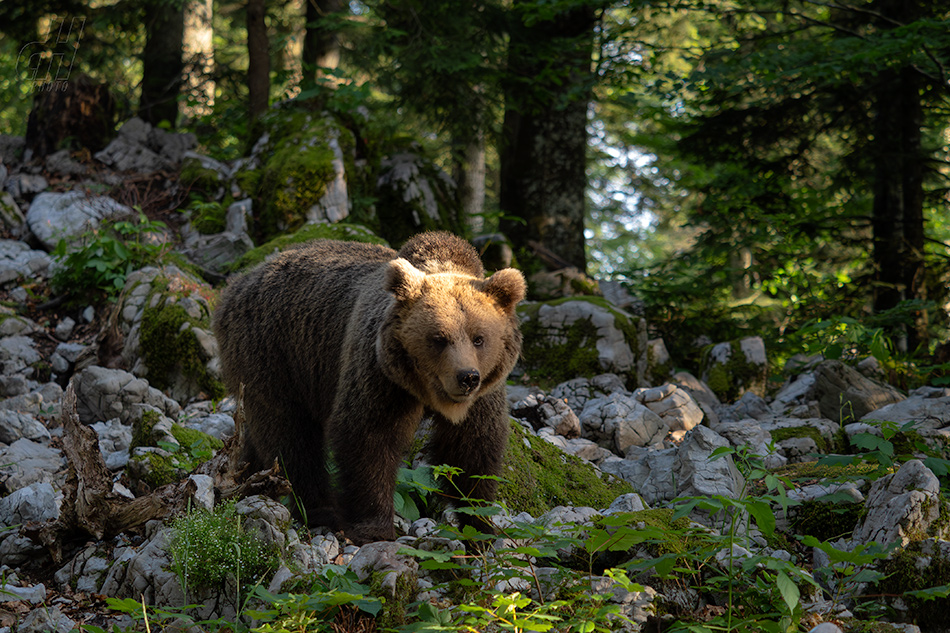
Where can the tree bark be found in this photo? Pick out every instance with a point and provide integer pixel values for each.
(897, 212)
(162, 61)
(321, 43)
(470, 177)
(199, 57)
(258, 50)
(544, 145)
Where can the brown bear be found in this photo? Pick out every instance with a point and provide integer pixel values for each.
(344, 347)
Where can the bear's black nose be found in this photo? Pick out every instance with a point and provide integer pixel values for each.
(468, 379)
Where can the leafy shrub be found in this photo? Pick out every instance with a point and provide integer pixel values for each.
(96, 267)
(210, 548)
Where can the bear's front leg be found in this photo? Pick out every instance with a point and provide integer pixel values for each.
(476, 445)
(371, 433)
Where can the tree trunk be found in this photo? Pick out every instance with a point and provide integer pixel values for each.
(544, 144)
(470, 177)
(897, 213)
(258, 66)
(321, 44)
(161, 61)
(199, 58)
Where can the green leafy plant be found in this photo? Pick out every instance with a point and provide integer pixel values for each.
(334, 589)
(413, 489)
(210, 549)
(95, 267)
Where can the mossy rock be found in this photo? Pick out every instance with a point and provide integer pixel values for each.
(415, 195)
(582, 336)
(293, 166)
(826, 521)
(539, 476)
(913, 569)
(308, 232)
(156, 469)
(790, 432)
(166, 317)
(199, 178)
(729, 371)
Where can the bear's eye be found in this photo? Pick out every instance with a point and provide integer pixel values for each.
(478, 341)
(440, 340)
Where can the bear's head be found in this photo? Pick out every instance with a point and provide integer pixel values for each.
(452, 336)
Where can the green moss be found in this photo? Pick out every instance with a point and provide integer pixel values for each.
(42, 371)
(731, 379)
(193, 437)
(296, 165)
(339, 231)
(538, 476)
(209, 217)
(142, 429)
(402, 206)
(160, 469)
(553, 363)
(826, 521)
(808, 471)
(169, 345)
(396, 611)
(789, 432)
(902, 573)
(198, 178)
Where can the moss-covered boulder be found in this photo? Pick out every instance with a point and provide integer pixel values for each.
(415, 195)
(733, 368)
(308, 232)
(300, 170)
(538, 476)
(165, 319)
(582, 336)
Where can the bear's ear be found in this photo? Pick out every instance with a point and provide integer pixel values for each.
(403, 279)
(506, 287)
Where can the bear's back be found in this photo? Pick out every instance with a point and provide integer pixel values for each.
(440, 251)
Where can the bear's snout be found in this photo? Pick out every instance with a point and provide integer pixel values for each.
(468, 380)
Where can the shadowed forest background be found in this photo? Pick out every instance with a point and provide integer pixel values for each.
(746, 166)
(734, 222)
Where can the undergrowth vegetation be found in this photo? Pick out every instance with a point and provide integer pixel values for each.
(721, 565)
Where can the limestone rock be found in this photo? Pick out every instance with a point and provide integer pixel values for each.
(46, 619)
(674, 406)
(143, 148)
(11, 216)
(55, 216)
(662, 475)
(414, 195)
(730, 369)
(546, 411)
(86, 571)
(115, 439)
(577, 391)
(104, 394)
(25, 462)
(618, 422)
(704, 396)
(928, 408)
(168, 308)
(15, 425)
(843, 392)
(583, 336)
(383, 557)
(219, 250)
(901, 505)
(19, 263)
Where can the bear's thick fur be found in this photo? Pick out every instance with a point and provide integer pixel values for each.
(343, 347)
